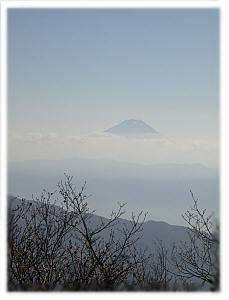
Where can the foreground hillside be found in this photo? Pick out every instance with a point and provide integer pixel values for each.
(68, 247)
(152, 232)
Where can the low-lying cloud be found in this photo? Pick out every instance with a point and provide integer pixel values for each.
(100, 145)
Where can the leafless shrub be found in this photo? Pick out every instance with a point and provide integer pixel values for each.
(199, 257)
(53, 247)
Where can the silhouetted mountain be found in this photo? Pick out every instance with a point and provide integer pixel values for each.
(152, 233)
(133, 128)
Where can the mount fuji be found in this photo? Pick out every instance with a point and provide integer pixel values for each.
(133, 128)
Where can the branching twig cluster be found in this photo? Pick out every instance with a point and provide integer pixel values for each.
(67, 247)
(199, 257)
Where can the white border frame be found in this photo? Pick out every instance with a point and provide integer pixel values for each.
(223, 5)
(111, 4)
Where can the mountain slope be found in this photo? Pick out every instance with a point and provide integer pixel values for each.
(132, 128)
(153, 231)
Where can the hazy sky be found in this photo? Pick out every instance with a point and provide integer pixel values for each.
(74, 72)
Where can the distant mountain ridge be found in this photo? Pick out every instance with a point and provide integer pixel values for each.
(132, 128)
(153, 186)
(105, 167)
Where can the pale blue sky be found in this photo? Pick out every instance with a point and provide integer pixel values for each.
(76, 71)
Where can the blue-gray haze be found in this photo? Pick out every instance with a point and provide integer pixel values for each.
(74, 73)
